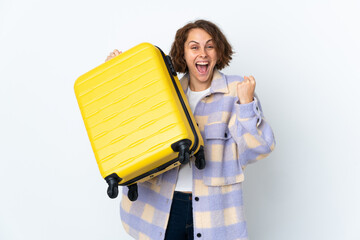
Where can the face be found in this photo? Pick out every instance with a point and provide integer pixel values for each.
(200, 56)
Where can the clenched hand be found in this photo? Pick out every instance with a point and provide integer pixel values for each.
(246, 89)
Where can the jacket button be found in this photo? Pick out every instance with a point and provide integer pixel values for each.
(196, 199)
(198, 235)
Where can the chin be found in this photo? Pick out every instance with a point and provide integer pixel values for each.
(204, 78)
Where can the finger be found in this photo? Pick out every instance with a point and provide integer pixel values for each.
(251, 78)
(252, 81)
(241, 83)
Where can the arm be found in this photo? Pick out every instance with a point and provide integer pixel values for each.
(253, 135)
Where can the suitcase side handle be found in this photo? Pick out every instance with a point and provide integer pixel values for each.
(171, 66)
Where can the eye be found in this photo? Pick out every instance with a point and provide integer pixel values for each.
(210, 46)
(194, 47)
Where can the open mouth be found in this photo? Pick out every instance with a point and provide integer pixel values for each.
(202, 67)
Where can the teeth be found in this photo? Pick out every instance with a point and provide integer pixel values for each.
(202, 63)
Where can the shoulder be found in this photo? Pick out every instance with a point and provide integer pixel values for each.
(232, 81)
(233, 78)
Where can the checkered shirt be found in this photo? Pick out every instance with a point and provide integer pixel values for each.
(234, 135)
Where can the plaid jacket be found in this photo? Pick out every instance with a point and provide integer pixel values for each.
(234, 135)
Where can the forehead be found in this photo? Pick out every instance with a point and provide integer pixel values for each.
(198, 35)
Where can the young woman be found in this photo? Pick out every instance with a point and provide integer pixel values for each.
(188, 203)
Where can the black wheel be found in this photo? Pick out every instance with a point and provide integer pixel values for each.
(113, 182)
(183, 147)
(185, 158)
(133, 192)
(200, 158)
(113, 189)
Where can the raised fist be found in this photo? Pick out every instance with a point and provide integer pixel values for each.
(246, 89)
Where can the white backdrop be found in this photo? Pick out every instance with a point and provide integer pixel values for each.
(303, 54)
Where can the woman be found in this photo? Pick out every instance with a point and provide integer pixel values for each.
(185, 202)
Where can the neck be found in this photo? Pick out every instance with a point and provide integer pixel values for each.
(197, 86)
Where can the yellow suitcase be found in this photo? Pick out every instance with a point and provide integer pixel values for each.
(137, 118)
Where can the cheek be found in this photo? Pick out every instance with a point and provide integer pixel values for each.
(188, 58)
(215, 57)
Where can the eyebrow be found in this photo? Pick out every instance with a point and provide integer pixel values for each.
(198, 43)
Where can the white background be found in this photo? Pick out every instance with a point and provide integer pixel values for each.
(303, 54)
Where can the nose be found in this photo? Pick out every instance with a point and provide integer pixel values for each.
(203, 52)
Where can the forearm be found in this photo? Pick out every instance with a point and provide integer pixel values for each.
(253, 135)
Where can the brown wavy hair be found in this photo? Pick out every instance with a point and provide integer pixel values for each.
(222, 46)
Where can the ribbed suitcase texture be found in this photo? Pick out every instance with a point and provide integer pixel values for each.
(137, 118)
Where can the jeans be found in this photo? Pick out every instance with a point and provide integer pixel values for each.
(180, 225)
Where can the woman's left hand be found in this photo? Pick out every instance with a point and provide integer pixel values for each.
(246, 89)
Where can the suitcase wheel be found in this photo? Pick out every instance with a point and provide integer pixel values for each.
(133, 192)
(184, 155)
(183, 147)
(200, 158)
(113, 190)
(113, 182)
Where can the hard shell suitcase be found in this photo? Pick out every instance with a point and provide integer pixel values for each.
(137, 118)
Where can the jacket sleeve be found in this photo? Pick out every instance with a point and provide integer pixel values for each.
(253, 135)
